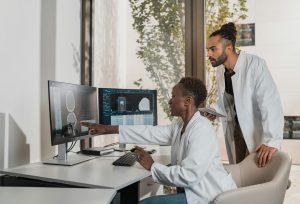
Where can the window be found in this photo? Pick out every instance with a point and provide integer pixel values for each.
(139, 44)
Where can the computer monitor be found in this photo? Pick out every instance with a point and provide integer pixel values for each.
(70, 104)
(127, 107)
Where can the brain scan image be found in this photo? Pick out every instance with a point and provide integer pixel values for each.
(71, 119)
(144, 104)
(70, 101)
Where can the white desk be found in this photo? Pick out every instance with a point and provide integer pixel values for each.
(29, 195)
(96, 173)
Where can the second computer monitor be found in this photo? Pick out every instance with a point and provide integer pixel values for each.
(127, 106)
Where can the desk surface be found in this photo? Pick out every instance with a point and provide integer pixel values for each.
(28, 195)
(96, 173)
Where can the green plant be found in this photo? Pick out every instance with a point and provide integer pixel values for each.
(160, 27)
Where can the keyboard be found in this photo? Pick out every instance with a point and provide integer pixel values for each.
(127, 159)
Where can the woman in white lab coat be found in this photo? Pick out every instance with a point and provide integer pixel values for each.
(248, 96)
(195, 156)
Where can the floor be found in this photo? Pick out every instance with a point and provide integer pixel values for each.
(292, 195)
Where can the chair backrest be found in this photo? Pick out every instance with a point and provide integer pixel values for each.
(248, 173)
(258, 185)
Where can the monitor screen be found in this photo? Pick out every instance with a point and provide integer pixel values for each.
(127, 106)
(69, 105)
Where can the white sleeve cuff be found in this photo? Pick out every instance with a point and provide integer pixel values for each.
(152, 169)
(156, 170)
(274, 143)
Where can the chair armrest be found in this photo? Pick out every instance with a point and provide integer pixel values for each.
(265, 193)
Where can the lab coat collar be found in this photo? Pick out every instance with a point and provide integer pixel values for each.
(195, 116)
(238, 63)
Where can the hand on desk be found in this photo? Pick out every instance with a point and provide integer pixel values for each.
(144, 158)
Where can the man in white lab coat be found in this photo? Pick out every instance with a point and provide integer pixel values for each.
(248, 96)
(195, 156)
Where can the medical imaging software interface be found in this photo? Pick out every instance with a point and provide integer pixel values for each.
(127, 106)
(69, 105)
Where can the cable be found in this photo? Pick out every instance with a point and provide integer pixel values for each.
(72, 146)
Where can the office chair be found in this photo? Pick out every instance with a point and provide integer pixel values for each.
(265, 185)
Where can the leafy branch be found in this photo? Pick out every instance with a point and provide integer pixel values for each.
(160, 27)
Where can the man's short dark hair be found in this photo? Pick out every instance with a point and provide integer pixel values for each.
(194, 87)
(227, 31)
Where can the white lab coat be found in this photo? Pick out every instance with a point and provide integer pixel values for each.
(257, 104)
(196, 164)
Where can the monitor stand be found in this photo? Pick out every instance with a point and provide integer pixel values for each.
(67, 160)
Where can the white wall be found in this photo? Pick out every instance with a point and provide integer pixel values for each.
(19, 70)
(39, 40)
(277, 24)
(2, 142)
(68, 49)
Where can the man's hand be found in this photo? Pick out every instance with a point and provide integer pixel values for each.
(208, 113)
(209, 116)
(144, 158)
(264, 154)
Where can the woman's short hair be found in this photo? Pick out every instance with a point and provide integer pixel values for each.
(194, 87)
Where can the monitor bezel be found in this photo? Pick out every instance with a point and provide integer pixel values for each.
(100, 106)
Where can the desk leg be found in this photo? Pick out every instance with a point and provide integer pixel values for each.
(1, 180)
(129, 194)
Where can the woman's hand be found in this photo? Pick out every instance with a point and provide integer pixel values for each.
(144, 158)
(100, 129)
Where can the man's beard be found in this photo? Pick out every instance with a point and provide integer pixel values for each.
(220, 60)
